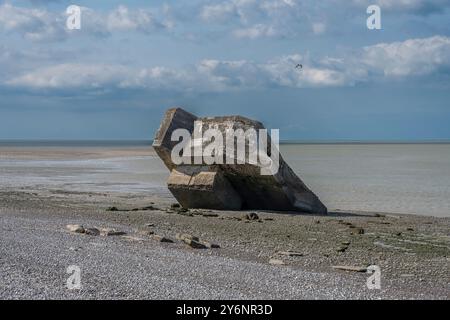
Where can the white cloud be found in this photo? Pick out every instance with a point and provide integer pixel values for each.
(34, 24)
(40, 24)
(254, 18)
(414, 57)
(385, 61)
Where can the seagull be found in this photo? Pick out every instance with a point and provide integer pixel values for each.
(299, 66)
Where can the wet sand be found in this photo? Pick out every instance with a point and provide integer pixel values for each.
(35, 250)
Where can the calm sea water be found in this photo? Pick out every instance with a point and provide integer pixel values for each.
(396, 178)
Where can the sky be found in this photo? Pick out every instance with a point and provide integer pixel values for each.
(131, 60)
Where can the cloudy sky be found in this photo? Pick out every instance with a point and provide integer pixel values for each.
(131, 60)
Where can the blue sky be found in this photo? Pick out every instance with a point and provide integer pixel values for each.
(131, 60)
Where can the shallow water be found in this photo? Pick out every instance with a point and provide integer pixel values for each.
(397, 178)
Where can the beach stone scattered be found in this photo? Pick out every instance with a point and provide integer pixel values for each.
(162, 239)
(350, 268)
(291, 253)
(75, 228)
(149, 225)
(409, 229)
(210, 245)
(342, 249)
(357, 230)
(209, 214)
(194, 244)
(108, 232)
(185, 236)
(276, 262)
(92, 231)
(175, 206)
(251, 216)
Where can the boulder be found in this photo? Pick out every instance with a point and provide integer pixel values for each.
(235, 184)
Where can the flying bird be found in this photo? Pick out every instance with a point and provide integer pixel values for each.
(299, 66)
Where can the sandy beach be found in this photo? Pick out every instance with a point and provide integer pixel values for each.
(43, 189)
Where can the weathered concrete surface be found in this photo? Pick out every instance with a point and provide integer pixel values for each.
(229, 186)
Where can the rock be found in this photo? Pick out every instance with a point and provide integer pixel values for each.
(342, 249)
(268, 219)
(108, 232)
(185, 236)
(162, 239)
(209, 215)
(196, 184)
(350, 268)
(194, 244)
(149, 225)
(112, 209)
(345, 243)
(409, 229)
(277, 262)
(147, 208)
(92, 231)
(251, 216)
(175, 206)
(75, 228)
(290, 253)
(210, 245)
(357, 230)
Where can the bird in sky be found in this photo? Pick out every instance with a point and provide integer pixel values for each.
(299, 66)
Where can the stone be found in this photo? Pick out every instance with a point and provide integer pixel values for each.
(276, 262)
(350, 268)
(92, 231)
(357, 230)
(290, 253)
(185, 236)
(210, 245)
(209, 215)
(342, 249)
(112, 209)
(108, 232)
(75, 228)
(194, 244)
(162, 239)
(251, 216)
(197, 185)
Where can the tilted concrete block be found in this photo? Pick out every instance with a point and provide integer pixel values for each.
(230, 185)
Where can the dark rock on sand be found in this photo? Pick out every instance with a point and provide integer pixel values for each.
(161, 239)
(75, 228)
